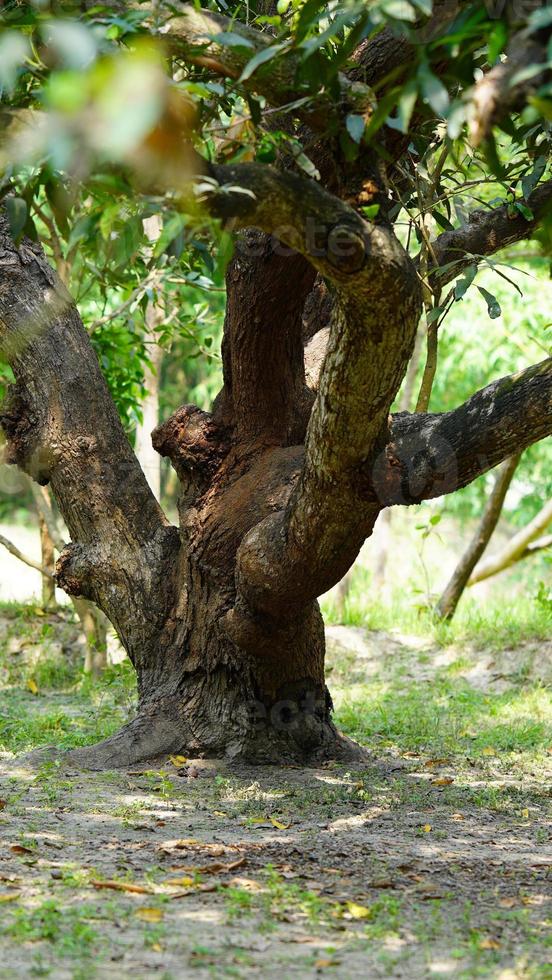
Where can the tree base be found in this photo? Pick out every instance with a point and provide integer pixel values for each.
(147, 739)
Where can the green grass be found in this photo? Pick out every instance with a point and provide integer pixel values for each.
(446, 717)
(496, 624)
(45, 698)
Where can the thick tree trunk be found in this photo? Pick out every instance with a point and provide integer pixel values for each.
(200, 694)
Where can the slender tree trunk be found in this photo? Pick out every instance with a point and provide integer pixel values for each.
(147, 457)
(446, 607)
(94, 627)
(47, 561)
(149, 460)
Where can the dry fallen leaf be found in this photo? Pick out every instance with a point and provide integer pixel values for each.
(358, 911)
(278, 824)
(149, 915)
(9, 896)
(123, 886)
(488, 750)
(457, 816)
(488, 943)
(156, 948)
(185, 882)
(178, 760)
(248, 884)
(322, 964)
(525, 814)
(178, 845)
(3, 804)
(435, 763)
(442, 781)
(507, 903)
(20, 849)
(426, 828)
(32, 686)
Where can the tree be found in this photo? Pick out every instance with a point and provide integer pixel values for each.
(334, 118)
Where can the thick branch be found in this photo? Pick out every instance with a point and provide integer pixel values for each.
(515, 548)
(430, 455)
(488, 230)
(291, 558)
(264, 375)
(62, 427)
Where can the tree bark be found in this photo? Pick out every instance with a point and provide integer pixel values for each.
(47, 561)
(516, 548)
(446, 607)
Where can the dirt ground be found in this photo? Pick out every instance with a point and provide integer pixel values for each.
(415, 866)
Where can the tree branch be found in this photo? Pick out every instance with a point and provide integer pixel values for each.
(264, 375)
(13, 550)
(506, 86)
(431, 455)
(488, 231)
(515, 548)
(62, 427)
(291, 558)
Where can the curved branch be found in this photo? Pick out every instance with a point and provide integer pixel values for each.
(431, 455)
(62, 428)
(375, 315)
(516, 548)
(488, 230)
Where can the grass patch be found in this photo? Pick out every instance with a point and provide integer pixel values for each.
(445, 716)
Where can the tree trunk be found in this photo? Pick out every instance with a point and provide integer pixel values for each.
(280, 487)
(452, 594)
(147, 457)
(200, 694)
(47, 561)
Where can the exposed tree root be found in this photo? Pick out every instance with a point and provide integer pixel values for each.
(149, 738)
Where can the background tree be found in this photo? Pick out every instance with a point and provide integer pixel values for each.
(321, 131)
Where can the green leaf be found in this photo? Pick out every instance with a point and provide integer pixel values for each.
(260, 59)
(497, 41)
(530, 181)
(17, 216)
(463, 284)
(524, 210)
(355, 126)
(493, 306)
(442, 221)
(405, 108)
(230, 40)
(172, 227)
(433, 90)
(370, 211)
